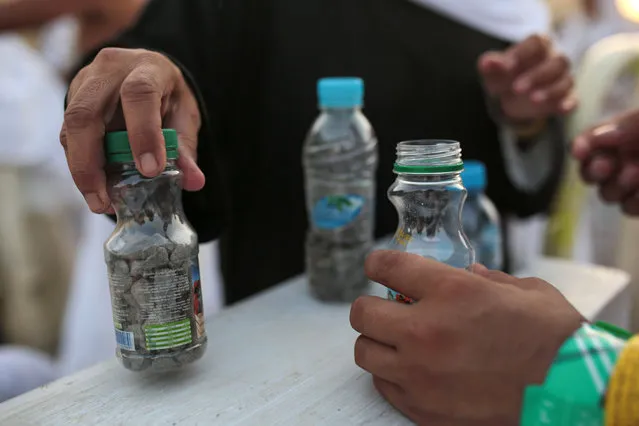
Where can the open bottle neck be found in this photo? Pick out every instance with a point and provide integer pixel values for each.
(434, 160)
(125, 169)
(439, 178)
(344, 112)
(135, 196)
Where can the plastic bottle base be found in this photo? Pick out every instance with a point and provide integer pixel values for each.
(163, 362)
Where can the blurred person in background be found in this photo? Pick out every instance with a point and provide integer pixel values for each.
(39, 207)
(609, 158)
(431, 68)
(30, 97)
(43, 222)
(38, 219)
(587, 22)
(598, 36)
(97, 20)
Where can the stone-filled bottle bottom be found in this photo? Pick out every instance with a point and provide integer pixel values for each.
(163, 361)
(336, 270)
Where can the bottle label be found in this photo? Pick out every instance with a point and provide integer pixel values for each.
(156, 309)
(398, 297)
(337, 211)
(198, 301)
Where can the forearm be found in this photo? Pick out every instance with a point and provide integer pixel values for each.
(21, 14)
(533, 150)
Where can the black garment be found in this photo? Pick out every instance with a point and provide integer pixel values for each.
(256, 63)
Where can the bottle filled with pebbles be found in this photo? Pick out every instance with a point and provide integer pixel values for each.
(152, 261)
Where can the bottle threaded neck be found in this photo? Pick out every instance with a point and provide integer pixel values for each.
(428, 157)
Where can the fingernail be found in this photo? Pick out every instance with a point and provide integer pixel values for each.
(606, 128)
(94, 202)
(522, 85)
(148, 163)
(539, 97)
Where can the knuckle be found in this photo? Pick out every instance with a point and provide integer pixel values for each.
(531, 282)
(563, 62)
(567, 84)
(141, 86)
(109, 55)
(154, 60)
(189, 142)
(457, 288)
(436, 339)
(79, 115)
(535, 39)
(196, 119)
(84, 177)
(498, 276)
(417, 330)
(541, 41)
(357, 312)
(381, 264)
(147, 57)
(361, 352)
(63, 138)
(94, 85)
(536, 46)
(78, 80)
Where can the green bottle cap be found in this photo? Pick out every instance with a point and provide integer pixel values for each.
(118, 149)
(434, 169)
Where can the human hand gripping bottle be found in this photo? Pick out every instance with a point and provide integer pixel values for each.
(340, 161)
(429, 196)
(480, 218)
(152, 261)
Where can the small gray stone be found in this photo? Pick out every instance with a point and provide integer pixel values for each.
(181, 254)
(120, 267)
(139, 291)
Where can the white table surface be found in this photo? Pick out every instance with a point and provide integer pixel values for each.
(278, 358)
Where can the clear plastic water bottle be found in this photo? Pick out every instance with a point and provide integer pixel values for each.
(340, 161)
(429, 196)
(480, 218)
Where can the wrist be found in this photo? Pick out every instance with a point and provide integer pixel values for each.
(523, 128)
(527, 129)
(557, 337)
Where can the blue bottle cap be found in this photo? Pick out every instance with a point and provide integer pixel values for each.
(474, 176)
(340, 92)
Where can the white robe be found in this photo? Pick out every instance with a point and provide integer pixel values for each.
(511, 20)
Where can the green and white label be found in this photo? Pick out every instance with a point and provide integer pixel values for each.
(167, 336)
